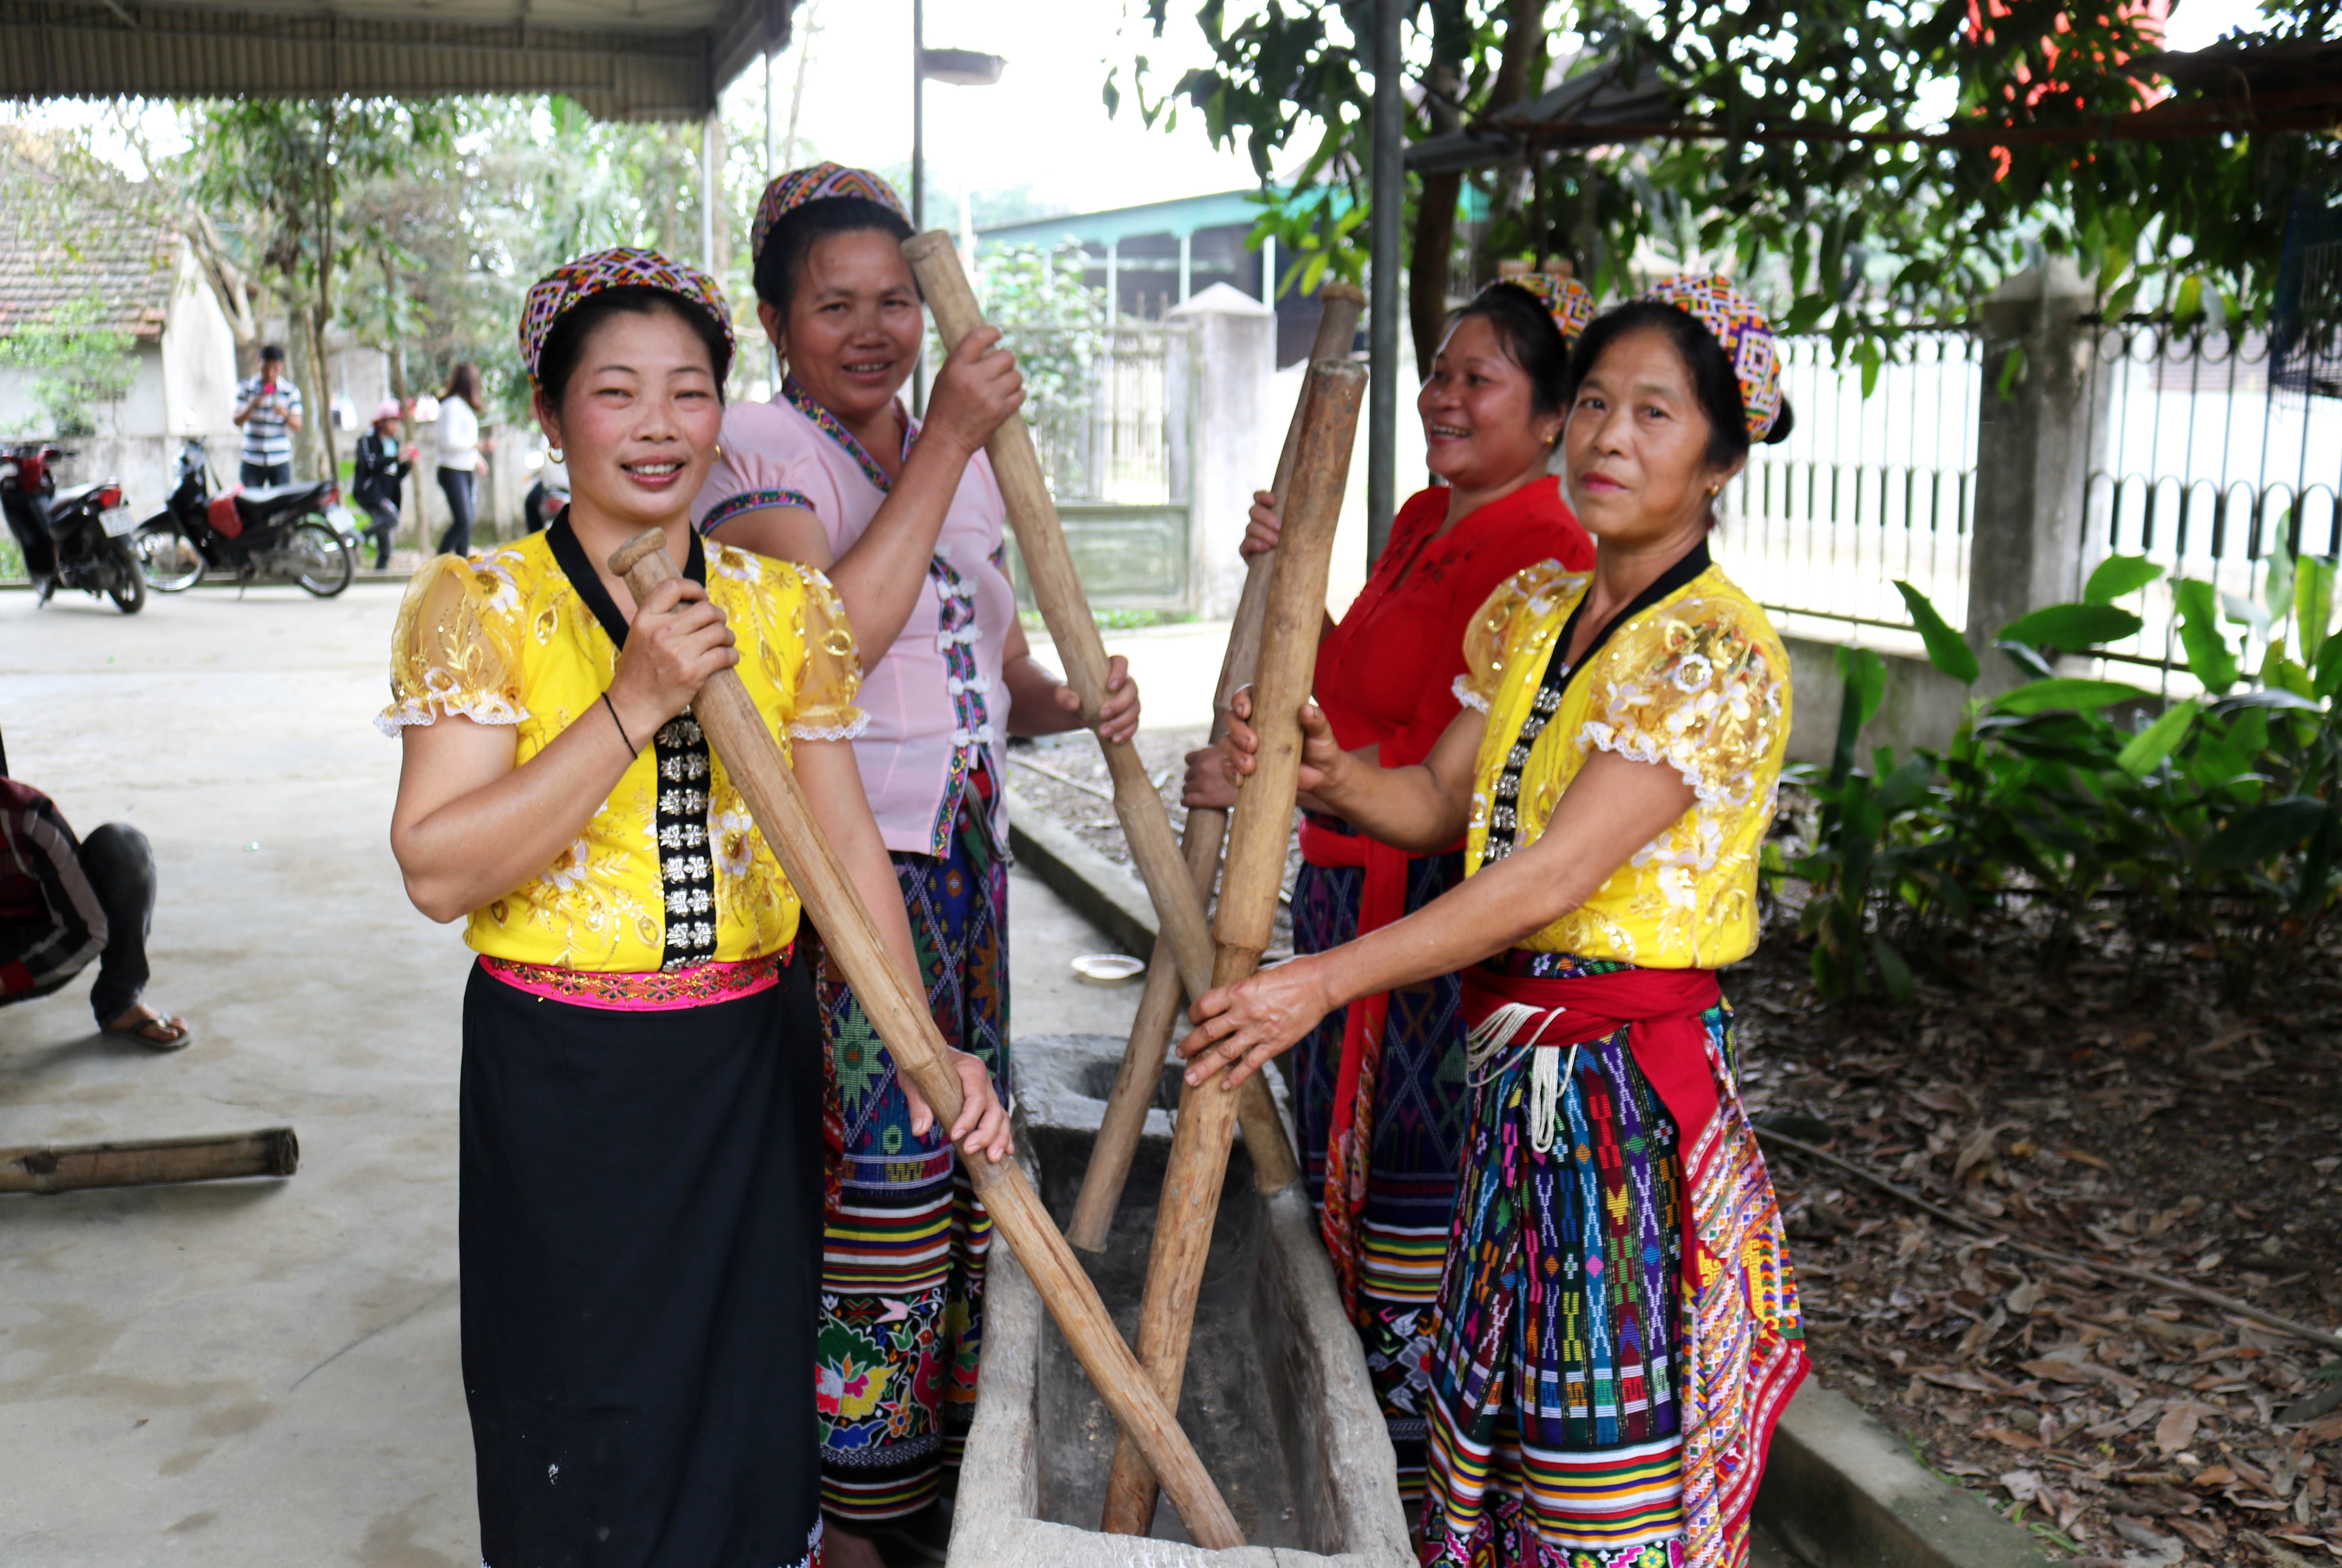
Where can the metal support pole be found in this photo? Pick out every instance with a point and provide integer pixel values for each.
(769, 170)
(1389, 175)
(1268, 272)
(918, 116)
(707, 194)
(1186, 244)
(1112, 283)
(919, 173)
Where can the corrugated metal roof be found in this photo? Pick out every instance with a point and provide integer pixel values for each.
(621, 59)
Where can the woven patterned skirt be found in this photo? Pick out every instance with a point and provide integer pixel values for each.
(1555, 1421)
(1421, 1111)
(902, 1287)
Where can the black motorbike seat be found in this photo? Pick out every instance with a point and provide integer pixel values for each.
(254, 506)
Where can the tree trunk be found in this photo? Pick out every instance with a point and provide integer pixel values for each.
(1434, 211)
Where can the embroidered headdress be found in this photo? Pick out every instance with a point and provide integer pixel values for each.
(1741, 330)
(817, 181)
(1566, 299)
(573, 283)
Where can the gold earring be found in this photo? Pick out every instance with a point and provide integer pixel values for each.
(719, 451)
(1714, 491)
(553, 455)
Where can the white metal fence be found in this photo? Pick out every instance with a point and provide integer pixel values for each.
(2209, 469)
(2206, 468)
(1865, 490)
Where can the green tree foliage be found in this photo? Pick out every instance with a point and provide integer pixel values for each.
(2210, 825)
(73, 365)
(1809, 179)
(284, 166)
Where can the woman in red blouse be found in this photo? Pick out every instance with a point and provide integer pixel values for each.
(1380, 1087)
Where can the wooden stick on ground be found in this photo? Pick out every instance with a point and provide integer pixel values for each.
(2050, 1254)
(736, 731)
(1259, 831)
(150, 1162)
(1145, 825)
(1338, 309)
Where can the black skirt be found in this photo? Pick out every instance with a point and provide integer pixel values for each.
(640, 1246)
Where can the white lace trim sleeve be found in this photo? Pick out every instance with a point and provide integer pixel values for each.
(481, 709)
(831, 731)
(1638, 745)
(1467, 696)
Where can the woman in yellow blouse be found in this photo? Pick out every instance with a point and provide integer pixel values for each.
(641, 1162)
(1616, 1329)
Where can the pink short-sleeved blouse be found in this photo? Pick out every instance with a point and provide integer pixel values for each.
(935, 701)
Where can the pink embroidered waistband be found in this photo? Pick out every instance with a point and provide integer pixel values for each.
(656, 990)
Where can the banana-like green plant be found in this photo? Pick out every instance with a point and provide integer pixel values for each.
(2212, 823)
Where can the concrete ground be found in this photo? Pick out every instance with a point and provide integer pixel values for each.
(262, 1372)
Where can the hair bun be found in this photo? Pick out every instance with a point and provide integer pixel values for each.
(1784, 421)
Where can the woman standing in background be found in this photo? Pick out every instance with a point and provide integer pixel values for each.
(459, 449)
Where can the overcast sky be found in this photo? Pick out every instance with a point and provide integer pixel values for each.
(1043, 123)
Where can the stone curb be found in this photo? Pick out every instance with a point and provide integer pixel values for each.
(1841, 1490)
(1107, 895)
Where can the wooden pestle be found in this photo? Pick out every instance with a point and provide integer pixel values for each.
(1339, 306)
(149, 1162)
(1259, 831)
(750, 755)
(1137, 805)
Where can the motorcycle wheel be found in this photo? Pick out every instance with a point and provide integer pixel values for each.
(125, 577)
(315, 556)
(168, 559)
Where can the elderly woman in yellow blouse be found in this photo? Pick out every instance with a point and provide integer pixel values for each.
(641, 1165)
(1617, 1329)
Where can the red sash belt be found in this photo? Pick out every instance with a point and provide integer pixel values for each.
(1660, 1009)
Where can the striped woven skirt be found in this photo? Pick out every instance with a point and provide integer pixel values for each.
(903, 1256)
(1419, 1115)
(1556, 1420)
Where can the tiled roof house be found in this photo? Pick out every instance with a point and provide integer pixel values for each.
(142, 280)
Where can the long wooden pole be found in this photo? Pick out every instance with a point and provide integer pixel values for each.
(1058, 588)
(737, 732)
(1258, 830)
(149, 1162)
(1339, 307)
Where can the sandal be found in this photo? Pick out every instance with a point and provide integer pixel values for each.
(163, 1032)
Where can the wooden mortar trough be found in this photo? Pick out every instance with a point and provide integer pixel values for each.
(1277, 1400)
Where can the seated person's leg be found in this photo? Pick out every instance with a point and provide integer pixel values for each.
(120, 865)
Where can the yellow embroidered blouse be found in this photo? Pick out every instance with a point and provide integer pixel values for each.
(502, 638)
(1698, 682)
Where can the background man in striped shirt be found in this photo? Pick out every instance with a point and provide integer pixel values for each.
(268, 408)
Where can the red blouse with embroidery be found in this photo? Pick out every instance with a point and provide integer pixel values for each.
(1387, 672)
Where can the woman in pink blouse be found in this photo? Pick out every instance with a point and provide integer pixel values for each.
(905, 518)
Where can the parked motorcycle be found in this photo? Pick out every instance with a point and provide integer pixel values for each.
(281, 531)
(74, 537)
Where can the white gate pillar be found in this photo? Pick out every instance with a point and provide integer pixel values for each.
(1238, 436)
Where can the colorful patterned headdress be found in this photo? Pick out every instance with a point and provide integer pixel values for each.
(1746, 335)
(817, 181)
(573, 283)
(1566, 300)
